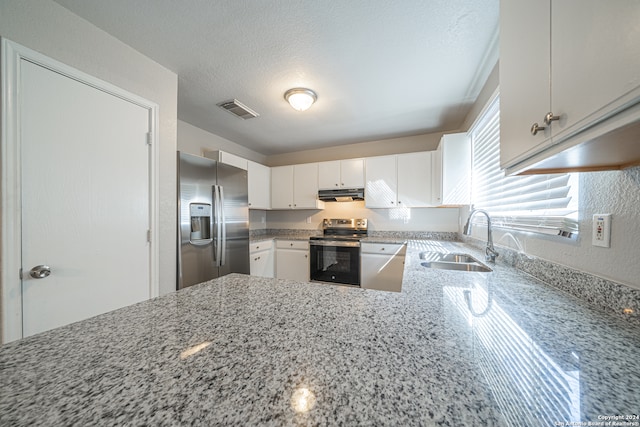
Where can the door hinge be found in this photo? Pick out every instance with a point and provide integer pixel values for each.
(149, 138)
(149, 236)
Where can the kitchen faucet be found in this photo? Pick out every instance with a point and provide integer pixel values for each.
(490, 252)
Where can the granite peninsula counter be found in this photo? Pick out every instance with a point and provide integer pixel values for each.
(452, 349)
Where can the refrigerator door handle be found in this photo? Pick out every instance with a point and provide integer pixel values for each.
(223, 247)
(218, 225)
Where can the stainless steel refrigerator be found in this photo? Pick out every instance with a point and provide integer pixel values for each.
(213, 220)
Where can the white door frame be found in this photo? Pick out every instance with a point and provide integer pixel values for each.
(10, 212)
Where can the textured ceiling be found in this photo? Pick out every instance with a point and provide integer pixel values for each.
(381, 68)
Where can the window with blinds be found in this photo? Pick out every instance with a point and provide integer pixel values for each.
(545, 204)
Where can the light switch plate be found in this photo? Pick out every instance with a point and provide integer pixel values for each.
(601, 230)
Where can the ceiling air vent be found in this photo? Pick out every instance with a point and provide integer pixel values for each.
(238, 109)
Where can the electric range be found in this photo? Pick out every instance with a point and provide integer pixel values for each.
(335, 255)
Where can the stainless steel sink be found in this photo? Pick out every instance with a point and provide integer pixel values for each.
(447, 261)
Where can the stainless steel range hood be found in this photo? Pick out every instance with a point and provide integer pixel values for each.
(341, 195)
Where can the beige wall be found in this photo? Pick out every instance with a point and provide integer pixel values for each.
(52, 30)
(196, 141)
(486, 93)
(409, 144)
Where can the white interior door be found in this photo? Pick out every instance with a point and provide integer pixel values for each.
(85, 199)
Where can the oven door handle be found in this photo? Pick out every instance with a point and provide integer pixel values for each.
(336, 243)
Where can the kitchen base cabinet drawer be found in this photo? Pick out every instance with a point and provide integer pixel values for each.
(293, 244)
(381, 248)
(261, 246)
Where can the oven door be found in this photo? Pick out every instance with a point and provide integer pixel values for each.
(335, 261)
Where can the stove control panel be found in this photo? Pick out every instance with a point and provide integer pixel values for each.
(352, 223)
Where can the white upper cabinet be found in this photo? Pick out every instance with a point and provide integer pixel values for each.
(341, 174)
(451, 171)
(595, 57)
(259, 185)
(227, 158)
(402, 180)
(305, 186)
(352, 173)
(329, 175)
(295, 187)
(282, 187)
(414, 179)
(381, 176)
(524, 77)
(576, 59)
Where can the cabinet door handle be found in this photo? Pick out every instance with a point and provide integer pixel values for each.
(535, 128)
(550, 118)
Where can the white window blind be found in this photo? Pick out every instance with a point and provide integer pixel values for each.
(536, 203)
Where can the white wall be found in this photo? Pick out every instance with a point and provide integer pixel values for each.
(52, 30)
(194, 140)
(398, 219)
(614, 192)
(257, 219)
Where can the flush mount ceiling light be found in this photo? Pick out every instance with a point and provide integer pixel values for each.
(300, 98)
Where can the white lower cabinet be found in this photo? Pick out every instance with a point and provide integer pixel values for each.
(261, 259)
(292, 260)
(382, 266)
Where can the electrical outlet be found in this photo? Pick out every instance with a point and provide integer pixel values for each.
(601, 230)
(308, 220)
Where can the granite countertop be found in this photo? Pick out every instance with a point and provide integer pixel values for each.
(297, 236)
(306, 236)
(452, 349)
(373, 237)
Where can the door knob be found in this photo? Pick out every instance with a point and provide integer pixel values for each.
(40, 271)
